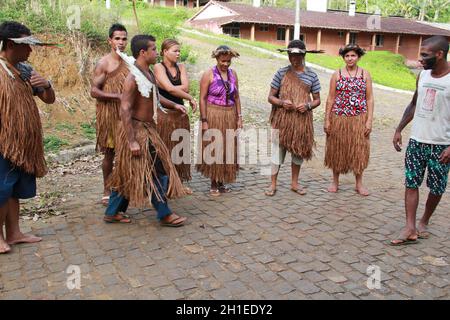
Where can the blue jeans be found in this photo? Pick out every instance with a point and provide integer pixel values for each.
(118, 203)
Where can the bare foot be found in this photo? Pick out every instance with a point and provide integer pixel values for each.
(362, 191)
(333, 188)
(23, 238)
(4, 247)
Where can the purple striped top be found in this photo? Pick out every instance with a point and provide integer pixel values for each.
(217, 92)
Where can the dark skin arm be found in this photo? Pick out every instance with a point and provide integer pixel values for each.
(98, 81)
(126, 109)
(408, 115)
(48, 94)
(172, 105)
(274, 100)
(314, 104)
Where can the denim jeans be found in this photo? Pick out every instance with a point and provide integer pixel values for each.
(118, 203)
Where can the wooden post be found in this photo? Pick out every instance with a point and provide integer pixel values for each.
(420, 45)
(347, 38)
(252, 32)
(374, 42)
(397, 44)
(319, 39)
(288, 35)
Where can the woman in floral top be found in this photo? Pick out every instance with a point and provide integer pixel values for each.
(348, 120)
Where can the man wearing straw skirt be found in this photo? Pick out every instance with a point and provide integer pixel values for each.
(292, 105)
(107, 85)
(21, 147)
(143, 165)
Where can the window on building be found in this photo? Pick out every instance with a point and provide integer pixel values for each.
(233, 30)
(281, 33)
(353, 38)
(341, 34)
(263, 27)
(379, 40)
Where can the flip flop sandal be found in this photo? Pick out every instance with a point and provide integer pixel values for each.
(299, 191)
(270, 192)
(403, 242)
(172, 222)
(423, 235)
(125, 219)
(214, 192)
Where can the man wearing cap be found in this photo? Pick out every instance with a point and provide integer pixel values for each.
(294, 93)
(21, 147)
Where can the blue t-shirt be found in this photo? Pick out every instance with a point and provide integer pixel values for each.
(309, 77)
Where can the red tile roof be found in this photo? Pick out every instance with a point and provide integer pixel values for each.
(324, 20)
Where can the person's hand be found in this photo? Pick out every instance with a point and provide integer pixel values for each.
(301, 108)
(368, 129)
(445, 156)
(326, 126)
(239, 123)
(135, 149)
(288, 105)
(193, 104)
(38, 81)
(205, 126)
(397, 141)
(180, 108)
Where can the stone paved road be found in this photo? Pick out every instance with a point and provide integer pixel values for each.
(243, 245)
(239, 246)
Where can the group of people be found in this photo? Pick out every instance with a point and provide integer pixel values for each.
(139, 109)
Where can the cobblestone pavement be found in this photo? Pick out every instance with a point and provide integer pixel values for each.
(242, 245)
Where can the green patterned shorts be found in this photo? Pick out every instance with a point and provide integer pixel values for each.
(420, 156)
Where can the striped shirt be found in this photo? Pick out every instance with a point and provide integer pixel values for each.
(309, 77)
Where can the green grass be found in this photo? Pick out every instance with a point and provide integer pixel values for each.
(160, 22)
(386, 68)
(53, 143)
(66, 127)
(88, 131)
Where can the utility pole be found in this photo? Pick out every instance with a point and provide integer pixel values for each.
(297, 20)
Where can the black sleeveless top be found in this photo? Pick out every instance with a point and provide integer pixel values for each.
(176, 81)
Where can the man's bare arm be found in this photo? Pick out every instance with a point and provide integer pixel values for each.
(98, 81)
(408, 115)
(126, 109)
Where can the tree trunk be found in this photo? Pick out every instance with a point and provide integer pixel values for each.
(135, 15)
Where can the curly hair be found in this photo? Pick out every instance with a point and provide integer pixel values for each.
(352, 47)
(224, 50)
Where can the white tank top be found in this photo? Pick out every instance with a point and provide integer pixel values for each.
(431, 123)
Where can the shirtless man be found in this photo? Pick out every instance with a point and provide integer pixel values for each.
(107, 85)
(143, 164)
